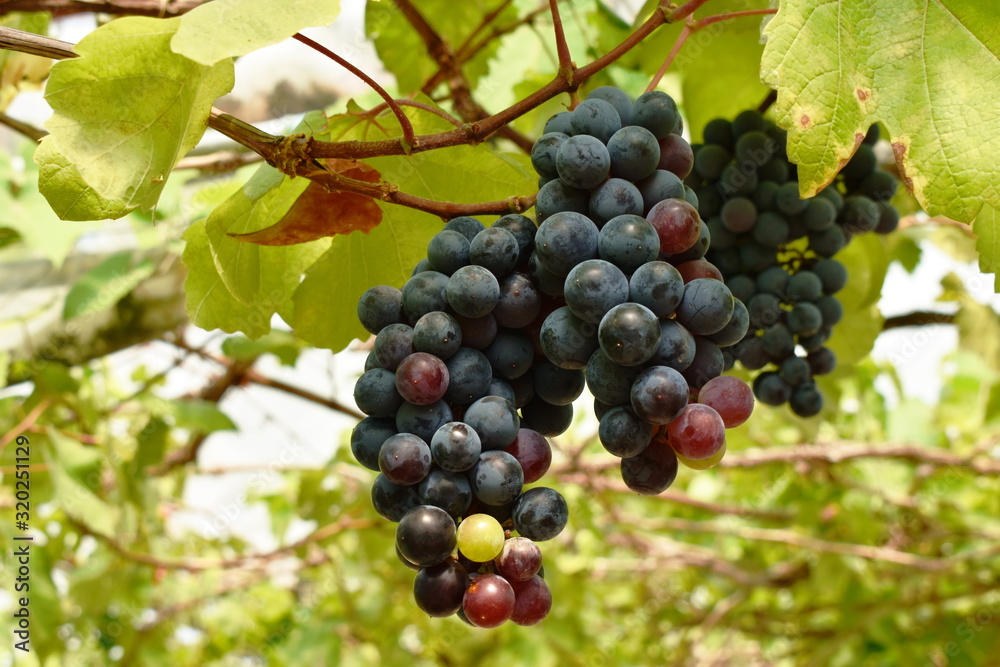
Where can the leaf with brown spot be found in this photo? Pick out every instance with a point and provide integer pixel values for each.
(927, 71)
(319, 213)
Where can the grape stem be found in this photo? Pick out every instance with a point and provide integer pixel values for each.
(404, 123)
(566, 67)
(692, 26)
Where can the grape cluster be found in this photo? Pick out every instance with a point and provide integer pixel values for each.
(450, 367)
(776, 251)
(481, 354)
(642, 316)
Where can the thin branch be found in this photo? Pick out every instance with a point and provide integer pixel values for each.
(794, 539)
(769, 99)
(848, 451)
(257, 378)
(36, 45)
(918, 318)
(682, 12)
(488, 18)
(234, 375)
(30, 131)
(154, 8)
(562, 48)
(678, 43)
(691, 27)
(438, 111)
(26, 423)
(218, 162)
(709, 20)
(467, 54)
(404, 123)
(254, 560)
(596, 482)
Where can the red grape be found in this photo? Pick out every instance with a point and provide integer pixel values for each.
(731, 397)
(422, 378)
(698, 268)
(519, 560)
(676, 156)
(533, 452)
(488, 601)
(532, 601)
(698, 432)
(676, 223)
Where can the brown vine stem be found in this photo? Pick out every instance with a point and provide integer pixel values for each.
(154, 8)
(476, 132)
(30, 131)
(488, 18)
(404, 123)
(692, 26)
(916, 319)
(461, 92)
(437, 111)
(566, 66)
(36, 45)
(681, 38)
(465, 55)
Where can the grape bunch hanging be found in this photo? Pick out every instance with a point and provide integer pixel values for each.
(776, 251)
(481, 354)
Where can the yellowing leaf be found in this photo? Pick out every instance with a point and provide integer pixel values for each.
(318, 213)
(927, 70)
(224, 29)
(128, 108)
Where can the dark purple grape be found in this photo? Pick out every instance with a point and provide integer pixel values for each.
(652, 471)
(456, 447)
(497, 478)
(540, 514)
(404, 459)
(659, 394)
(440, 589)
(426, 535)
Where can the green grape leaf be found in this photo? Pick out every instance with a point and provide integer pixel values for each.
(105, 284)
(210, 305)
(224, 29)
(125, 112)
(987, 230)
(387, 254)
(925, 70)
(403, 51)
(68, 194)
(355, 262)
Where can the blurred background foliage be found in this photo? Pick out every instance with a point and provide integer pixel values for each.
(195, 501)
